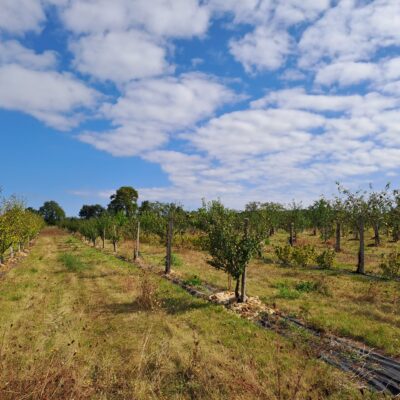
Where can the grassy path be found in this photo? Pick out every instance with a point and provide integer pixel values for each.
(72, 328)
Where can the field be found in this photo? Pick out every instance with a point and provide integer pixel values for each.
(364, 308)
(74, 327)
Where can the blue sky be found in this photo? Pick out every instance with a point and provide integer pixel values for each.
(244, 100)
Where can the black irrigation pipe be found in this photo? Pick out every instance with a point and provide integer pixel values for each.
(379, 372)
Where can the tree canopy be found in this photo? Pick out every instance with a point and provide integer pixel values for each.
(124, 200)
(51, 212)
(91, 211)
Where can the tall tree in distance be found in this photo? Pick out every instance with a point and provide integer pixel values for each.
(91, 211)
(124, 200)
(51, 212)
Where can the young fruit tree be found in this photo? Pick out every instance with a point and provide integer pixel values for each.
(339, 216)
(357, 207)
(115, 232)
(394, 216)
(378, 206)
(230, 245)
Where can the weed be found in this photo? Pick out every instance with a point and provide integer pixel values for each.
(148, 298)
(71, 262)
(284, 254)
(390, 265)
(306, 286)
(286, 292)
(326, 258)
(194, 281)
(303, 256)
(176, 261)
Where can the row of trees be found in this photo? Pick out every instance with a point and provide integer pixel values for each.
(233, 237)
(353, 212)
(18, 226)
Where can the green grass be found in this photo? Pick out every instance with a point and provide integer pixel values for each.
(193, 281)
(71, 262)
(339, 298)
(90, 339)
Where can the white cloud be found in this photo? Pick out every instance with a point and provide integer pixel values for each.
(172, 18)
(262, 49)
(351, 31)
(263, 12)
(151, 109)
(130, 139)
(119, 56)
(293, 75)
(12, 51)
(51, 97)
(171, 102)
(391, 69)
(297, 98)
(252, 132)
(268, 45)
(347, 73)
(20, 16)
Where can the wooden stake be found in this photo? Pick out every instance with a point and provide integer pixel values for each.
(136, 255)
(169, 245)
(243, 297)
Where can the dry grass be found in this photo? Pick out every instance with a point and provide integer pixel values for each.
(359, 307)
(82, 335)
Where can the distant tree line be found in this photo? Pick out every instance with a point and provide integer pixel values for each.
(233, 237)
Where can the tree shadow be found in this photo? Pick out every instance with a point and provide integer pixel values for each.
(102, 275)
(175, 306)
(171, 306)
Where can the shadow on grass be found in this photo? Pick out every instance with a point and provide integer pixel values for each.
(175, 306)
(171, 306)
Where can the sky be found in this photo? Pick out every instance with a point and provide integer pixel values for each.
(240, 100)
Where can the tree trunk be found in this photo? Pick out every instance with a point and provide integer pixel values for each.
(325, 234)
(356, 235)
(237, 288)
(396, 235)
(136, 254)
(1, 259)
(291, 237)
(377, 237)
(243, 297)
(115, 246)
(272, 231)
(12, 252)
(103, 238)
(314, 232)
(169, 246)
(94, 242)
(361, 254)
(338, 237)
(229, 282)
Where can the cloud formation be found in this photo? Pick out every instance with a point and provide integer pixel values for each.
(306, 93)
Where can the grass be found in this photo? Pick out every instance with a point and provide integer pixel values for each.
(71, 262)
(359, 307)
(90, 338)
(193, 281)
